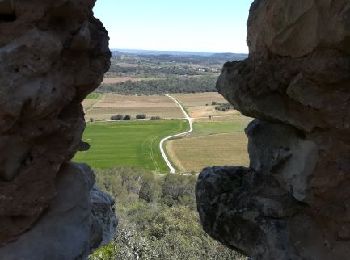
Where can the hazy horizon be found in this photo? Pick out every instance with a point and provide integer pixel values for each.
(153, 50)
(176, 26)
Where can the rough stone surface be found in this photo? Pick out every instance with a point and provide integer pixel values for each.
(62, 232)
(293, 201)
(104, 218)
(52, 53)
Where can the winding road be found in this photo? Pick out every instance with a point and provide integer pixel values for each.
(161, 144)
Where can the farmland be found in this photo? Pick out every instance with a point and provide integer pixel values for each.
(219, 140)
(113, 104)
(135, 85)
(216, 141)
(132, 143)
(157, 211)
(236, 123)
(202, 105)
(195, 153)
(199, 106)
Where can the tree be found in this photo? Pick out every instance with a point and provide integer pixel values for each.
(117, 117)
(141, 116)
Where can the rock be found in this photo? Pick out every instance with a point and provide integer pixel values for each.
(104, 218)
(6, 10)
(62, 230)
(295, 82)
(239, 207)
(53, 53)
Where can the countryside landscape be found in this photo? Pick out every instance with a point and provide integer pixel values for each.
(150, 115)
(143, 99)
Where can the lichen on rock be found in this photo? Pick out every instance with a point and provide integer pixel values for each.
(292, 202)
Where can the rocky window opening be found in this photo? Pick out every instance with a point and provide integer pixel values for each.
(109, 153)
(153, 124)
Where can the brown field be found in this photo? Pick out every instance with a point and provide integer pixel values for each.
(113, 104)
(202, 113)
(199, 99)
(199, 106)
(195, 153)
(88, 104)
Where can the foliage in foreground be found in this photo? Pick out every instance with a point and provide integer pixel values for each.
(157, 218)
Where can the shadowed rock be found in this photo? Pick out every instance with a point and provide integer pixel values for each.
(62, 232)
(53, 53)
(292, 203)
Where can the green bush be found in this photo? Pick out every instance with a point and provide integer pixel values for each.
(117, 117)
(157, 218)
(141, 117)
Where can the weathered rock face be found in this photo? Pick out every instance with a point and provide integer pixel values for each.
(52, 53)
(104, 219)
(293, 201)
(68, 230)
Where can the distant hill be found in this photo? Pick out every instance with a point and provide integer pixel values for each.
(159, 72)
(226, 56)
(230, 56)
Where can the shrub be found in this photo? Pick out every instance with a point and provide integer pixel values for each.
(159, 218)
(141, 117)
(117, 117)
(223, 107)
(155, 117)
(127, 117)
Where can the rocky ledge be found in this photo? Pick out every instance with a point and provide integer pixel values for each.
(293, 200)
(53, 53)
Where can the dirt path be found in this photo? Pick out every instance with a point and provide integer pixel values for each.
(161, 144)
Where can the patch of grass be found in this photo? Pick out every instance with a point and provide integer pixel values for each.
(94, 96)
(134, 143)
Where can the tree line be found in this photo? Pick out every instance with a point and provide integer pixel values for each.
(162, 86)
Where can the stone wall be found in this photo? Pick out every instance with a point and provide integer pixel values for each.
(293, 200)
(52, 53)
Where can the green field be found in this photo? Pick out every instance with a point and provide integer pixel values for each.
(93, 96)
(128, 143)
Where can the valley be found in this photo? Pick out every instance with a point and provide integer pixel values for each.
(218, 137)
(144, 155)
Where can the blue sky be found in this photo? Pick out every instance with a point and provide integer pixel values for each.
(182, 25)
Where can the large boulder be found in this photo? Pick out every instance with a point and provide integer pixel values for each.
(295, 82)
(53, 53)
(65, 229)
